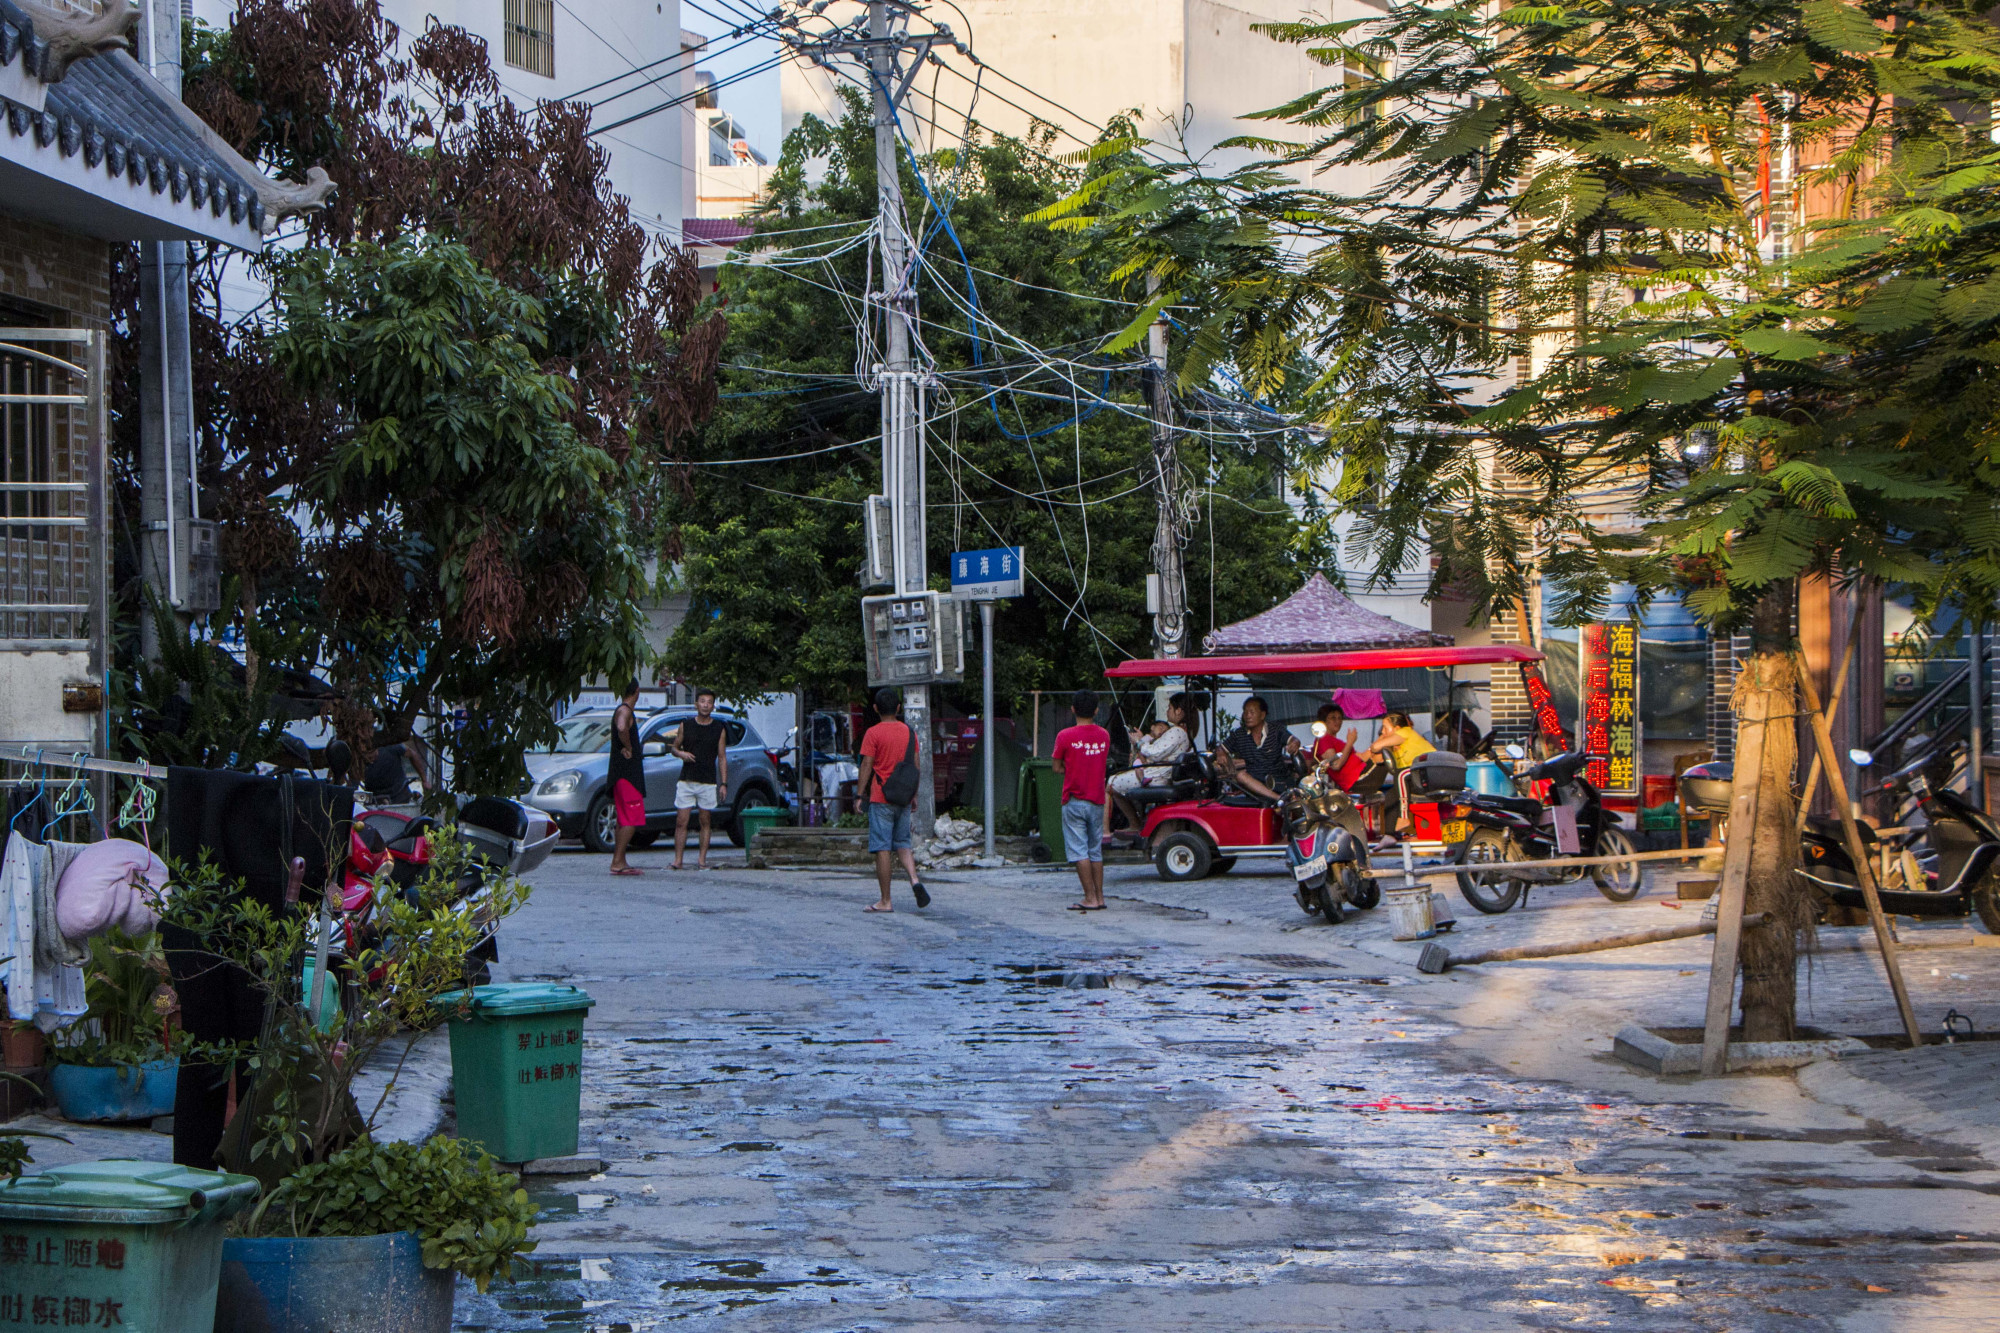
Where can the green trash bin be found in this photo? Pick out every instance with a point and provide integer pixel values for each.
(1040, 800)
(516, 1069)
(126, 1245)
(756, 818)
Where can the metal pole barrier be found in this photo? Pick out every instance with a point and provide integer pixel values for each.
(989, 732)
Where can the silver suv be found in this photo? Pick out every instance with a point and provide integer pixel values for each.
(568, 781)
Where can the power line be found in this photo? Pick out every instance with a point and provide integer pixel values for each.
(673, 102)
(693, 58)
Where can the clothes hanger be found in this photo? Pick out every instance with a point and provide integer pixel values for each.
(78, 791)
(40, 790)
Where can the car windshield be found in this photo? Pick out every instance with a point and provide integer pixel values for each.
(582, 735)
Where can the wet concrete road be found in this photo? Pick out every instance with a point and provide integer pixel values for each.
(998, 1114)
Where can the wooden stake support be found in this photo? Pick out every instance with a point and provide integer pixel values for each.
(1864, 869)
(1437, 959)
(1730, 898)
(1832, 707)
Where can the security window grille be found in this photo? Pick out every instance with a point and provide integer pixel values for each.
(531, 36)
(45, 526)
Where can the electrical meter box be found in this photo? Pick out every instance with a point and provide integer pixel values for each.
(913, 638)
(199, 553)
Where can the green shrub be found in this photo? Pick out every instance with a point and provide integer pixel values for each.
(852, 819)
(472, 1216)
(125, 987)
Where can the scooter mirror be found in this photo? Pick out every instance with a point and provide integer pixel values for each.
(1516, 752)
(1319, 728)
(1860, 758)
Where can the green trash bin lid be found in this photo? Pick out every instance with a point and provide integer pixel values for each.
(122, 1189)
(512, 998)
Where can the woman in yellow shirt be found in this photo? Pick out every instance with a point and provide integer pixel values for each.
(1400, 740)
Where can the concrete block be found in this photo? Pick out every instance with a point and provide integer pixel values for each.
(1647, 1049)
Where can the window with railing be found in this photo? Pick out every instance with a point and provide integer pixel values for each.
(531, 36)
(45, 464)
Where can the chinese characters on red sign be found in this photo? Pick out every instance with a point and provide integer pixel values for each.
(1608, 667)
(1547, 723)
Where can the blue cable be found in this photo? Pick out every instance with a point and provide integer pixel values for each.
(977, 315)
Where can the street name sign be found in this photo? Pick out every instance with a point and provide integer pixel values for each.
(984, 576)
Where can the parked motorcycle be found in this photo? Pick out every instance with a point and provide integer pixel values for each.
(1572, 823)
(500, 832)
(1956, 874)
(1326, 845)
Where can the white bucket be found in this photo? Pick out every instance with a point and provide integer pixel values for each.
(1410, 914)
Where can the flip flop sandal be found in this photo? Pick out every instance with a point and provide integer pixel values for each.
(877, 907)
(1081, 907)
(629, 870)
(923, 894)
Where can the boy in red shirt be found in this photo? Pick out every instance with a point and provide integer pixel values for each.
(889, 744)
(1080, 756)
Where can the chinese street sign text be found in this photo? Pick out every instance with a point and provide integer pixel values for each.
(1608, 673)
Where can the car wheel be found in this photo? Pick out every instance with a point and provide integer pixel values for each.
(1183, 856)
(1490, 894)
(1620, 883)
(1223, 865)
(746, 798)
(600, 826)
(646, 839)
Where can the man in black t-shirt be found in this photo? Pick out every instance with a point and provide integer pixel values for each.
(704, 754)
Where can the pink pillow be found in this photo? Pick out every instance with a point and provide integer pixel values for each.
(104, 887)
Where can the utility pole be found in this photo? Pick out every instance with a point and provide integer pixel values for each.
(1169, 596)
(167, 480)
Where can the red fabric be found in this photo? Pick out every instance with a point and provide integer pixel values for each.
(886, 743)
(631, 805)
(1083, 750)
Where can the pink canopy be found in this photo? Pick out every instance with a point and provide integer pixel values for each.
(1317, 618)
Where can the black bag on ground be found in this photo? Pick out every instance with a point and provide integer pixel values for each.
(900, 787)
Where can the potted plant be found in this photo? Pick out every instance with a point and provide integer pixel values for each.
(118, 1062)
(354, 1234)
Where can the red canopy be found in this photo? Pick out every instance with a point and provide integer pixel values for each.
(1366, 659)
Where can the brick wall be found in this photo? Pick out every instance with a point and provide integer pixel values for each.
(67, 274)
(1513, 720)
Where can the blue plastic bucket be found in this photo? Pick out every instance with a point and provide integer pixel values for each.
(115, 1092)
(332, 1284)
(1488, 779)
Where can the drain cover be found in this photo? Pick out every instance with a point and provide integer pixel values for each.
(1288, 960)
(1223, 1047)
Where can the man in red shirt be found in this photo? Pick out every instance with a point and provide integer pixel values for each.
(889, 745)
(1080, 756)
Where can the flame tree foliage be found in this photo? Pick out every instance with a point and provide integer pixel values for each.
(771, 550)
(1571, 252)
(432, 450)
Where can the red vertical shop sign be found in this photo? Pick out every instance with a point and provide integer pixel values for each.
(1608, 673)
(1548, 723)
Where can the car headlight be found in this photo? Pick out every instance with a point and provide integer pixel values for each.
(562, 784)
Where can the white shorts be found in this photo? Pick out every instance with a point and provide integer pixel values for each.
(694, 795)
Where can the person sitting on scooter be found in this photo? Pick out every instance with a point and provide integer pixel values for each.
(1256, 755)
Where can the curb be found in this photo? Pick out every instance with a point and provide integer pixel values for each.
(1838, 1083)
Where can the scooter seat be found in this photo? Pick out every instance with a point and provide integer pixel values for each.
(1828, 826)
(1527, 807)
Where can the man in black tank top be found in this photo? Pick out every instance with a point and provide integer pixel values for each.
(626, 776)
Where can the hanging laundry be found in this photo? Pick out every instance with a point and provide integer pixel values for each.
(109, 885)
(44, 980)
(1359, 704)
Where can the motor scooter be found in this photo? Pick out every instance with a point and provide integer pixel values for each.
(1572, 823)
(1958, 874)
(1326, 845)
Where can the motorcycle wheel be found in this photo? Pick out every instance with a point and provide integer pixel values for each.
(1329, 901)
(1619, 883)
(1362, 892)
(1986, 902)
(1306, 900)
(1486, 894)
